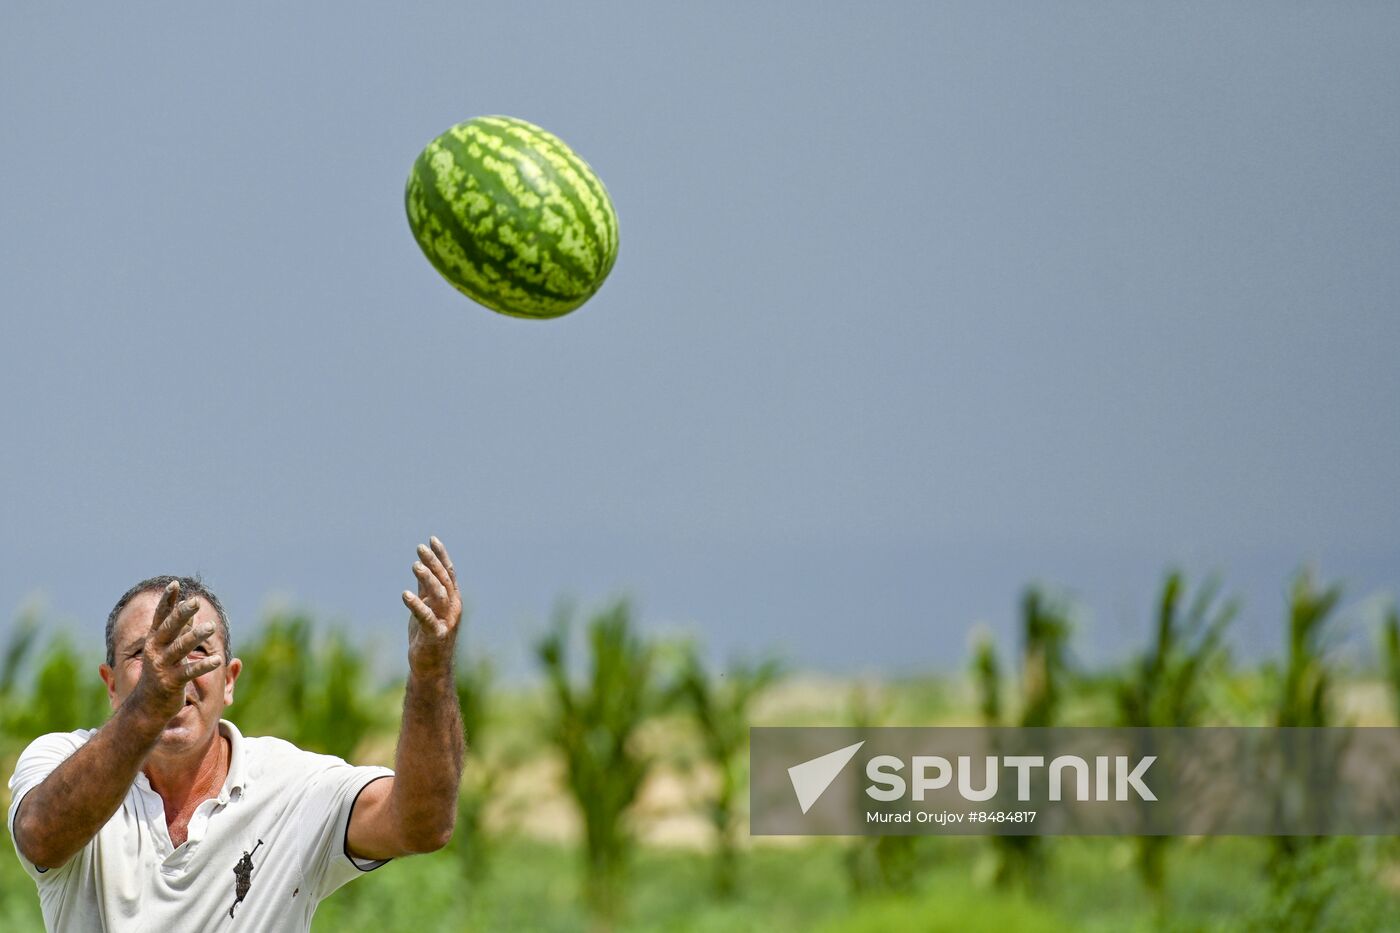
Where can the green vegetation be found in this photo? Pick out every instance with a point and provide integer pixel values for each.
(1045, 632)
(594, 725)
(1390, 648)
(881, 865)
(986, 671)
(1308, 697)
(470, 841)
(722, 708)
(1165, 687)
(310, 688)
(48, 688)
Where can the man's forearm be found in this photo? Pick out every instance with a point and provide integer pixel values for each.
(428, 765)
(67, 808)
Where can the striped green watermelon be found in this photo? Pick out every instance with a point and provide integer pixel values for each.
(512, 218)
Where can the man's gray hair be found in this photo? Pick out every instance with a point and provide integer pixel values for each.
(189, 587)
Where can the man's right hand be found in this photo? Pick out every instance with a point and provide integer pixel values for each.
(61, 815)
(165, 663)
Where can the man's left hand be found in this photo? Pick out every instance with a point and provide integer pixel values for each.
(436, 611)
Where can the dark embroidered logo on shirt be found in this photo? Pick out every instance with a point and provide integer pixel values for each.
(243, 871)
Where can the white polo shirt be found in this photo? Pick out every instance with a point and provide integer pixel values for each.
(287, 809)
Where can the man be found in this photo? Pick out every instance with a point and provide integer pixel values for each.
(169, 819)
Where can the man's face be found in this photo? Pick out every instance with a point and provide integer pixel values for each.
(206, 696)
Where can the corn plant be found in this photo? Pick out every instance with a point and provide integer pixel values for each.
(878, 865)
(1308, 697)
(986, 675)
(1390, 651)
(594, 726)
(475, 678)
(1045, 631)
(23, 637)
(721, 707)
(314, 691)
(45, 686)
(1164, 688)
(49, 688)
(1328, 886)
(1307, 694)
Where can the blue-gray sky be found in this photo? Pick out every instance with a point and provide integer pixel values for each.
(915, 303)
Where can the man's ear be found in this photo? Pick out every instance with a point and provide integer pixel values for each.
(231, 671)
(109, 678)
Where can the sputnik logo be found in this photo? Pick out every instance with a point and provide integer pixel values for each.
(811, 778)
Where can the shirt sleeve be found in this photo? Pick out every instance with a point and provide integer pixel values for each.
(327, 805)
(35, 764)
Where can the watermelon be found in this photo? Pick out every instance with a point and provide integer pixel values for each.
(511, 217)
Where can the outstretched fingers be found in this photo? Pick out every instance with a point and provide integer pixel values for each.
(176, 621)
(429, 558)
(430, 581)
(198, 667)
(423, 615)
(440, 553)
(188, 640)
(437, 581)
(436, 611)
(166, 604)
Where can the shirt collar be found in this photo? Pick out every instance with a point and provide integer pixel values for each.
(237, 779)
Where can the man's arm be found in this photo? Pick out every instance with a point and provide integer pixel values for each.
(415, 810)
(60, 815)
